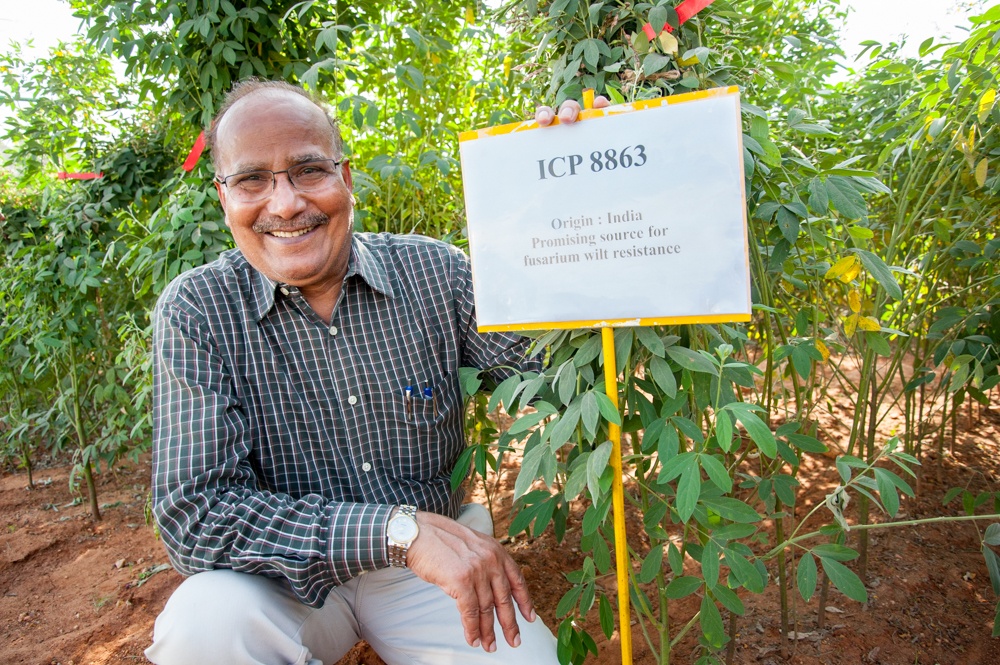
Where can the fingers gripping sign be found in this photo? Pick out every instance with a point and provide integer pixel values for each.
(569, 111)
(477, 572)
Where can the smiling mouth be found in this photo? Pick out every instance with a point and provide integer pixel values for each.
(291, 234)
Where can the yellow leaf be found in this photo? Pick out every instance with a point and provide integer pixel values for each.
(850, 325)
(693, 60)
(841, 266)
(823, 351)
(854, 300)
(927, 128)
(981, 169)
(851, 274)
(506, 66)
(668, 43)
(470, 15)
(986, 104)
(869, 323)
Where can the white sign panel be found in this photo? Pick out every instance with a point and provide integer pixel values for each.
(634, 215)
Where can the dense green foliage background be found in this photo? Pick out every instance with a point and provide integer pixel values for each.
(873, 217)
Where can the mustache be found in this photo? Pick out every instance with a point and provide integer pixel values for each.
(306, 221)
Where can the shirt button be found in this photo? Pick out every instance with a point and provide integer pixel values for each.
(352, 400)
(284, 291)
(366, 467)
(333, 330)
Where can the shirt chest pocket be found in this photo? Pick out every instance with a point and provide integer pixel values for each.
(423, 430)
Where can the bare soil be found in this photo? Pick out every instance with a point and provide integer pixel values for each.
(75, 592)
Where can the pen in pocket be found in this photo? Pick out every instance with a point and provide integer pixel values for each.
(429, 394)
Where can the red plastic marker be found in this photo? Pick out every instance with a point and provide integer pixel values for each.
(195, 154)
(63, 175)
(685, 10)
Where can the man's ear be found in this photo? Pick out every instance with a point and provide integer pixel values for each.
(222, 198)
(345, 171)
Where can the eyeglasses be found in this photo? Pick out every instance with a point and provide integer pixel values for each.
(253, 186)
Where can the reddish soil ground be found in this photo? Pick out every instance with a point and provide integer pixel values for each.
(74, 592)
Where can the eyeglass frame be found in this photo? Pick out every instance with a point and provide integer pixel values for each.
(221, 180)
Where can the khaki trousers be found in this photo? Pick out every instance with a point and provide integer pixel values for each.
(221, 616)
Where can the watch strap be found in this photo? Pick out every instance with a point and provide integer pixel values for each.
(397, 551)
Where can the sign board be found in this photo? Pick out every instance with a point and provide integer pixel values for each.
(634, 215)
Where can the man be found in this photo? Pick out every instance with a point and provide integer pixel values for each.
(307, 417)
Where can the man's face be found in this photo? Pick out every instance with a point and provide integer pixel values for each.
(299, 238)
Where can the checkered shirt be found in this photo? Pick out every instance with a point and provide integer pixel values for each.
(281, 444)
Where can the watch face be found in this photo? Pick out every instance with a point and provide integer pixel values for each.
(402, 529)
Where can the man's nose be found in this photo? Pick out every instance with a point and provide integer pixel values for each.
(285, 200)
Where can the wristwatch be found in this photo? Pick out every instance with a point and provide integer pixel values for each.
(401, 531)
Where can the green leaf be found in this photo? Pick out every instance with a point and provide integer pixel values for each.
(711, 622)
(724, 430)
(732, 602)
(577, 479)
(887, 491)
(788, 224)
(692, 360)
(504, 394)
(470, 380)
(563, 428)
(819, 198)
(608, 409)
(596, 463)
(731, 509)
(586, 353)
(654, 62)
(710, 564)
(845, 580)
(881, 272)
(993, 566)
(680, 587)
(992, 536)
(677, 465)
(688, 490)
(566, 384)
(717, 472)
(733, 532)
(744, 571)
(651, 565)
(806, 443)
(688, 428)
(756, 428)
(845, 197)
(606, 615)
(591, 412)
(529, 470)
(675, 559)
(835, 551)
(649, 339)
(806, 576)
(526, 422)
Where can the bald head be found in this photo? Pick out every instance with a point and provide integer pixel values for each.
(253, 88)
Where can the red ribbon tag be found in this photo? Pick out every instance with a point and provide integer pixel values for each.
(63, 175)
(195, 154)
(685, 10)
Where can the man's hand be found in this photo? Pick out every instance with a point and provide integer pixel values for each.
(569, 111)
(477, 572)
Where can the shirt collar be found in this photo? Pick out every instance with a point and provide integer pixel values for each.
(363, 263)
